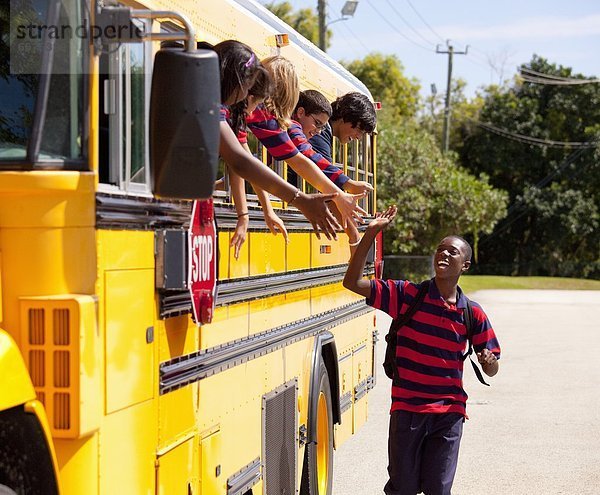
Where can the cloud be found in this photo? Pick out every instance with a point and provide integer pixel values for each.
(531, 28)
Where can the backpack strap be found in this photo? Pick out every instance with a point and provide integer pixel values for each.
(398, 322)
(469, 324)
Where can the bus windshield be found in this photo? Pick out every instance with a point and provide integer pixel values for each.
(41, 82)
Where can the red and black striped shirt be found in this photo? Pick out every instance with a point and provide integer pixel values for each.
(334, 174)
(430, 346)
(265, 127)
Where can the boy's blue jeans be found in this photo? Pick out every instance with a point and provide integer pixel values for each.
(423, 452)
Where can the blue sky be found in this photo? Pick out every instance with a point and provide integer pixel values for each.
(501, 35)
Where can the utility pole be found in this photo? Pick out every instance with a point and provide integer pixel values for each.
(348, 11)
(451, 52)
(321, 6)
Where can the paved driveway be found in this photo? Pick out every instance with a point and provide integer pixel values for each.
(536, 430)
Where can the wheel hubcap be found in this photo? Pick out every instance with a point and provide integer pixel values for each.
(322, 444)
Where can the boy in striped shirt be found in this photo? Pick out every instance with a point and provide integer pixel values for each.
(428, 401)
(310, 117)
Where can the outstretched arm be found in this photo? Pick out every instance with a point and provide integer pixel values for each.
(274, 223)
(354, 280)
(346, 203)
(312, 206)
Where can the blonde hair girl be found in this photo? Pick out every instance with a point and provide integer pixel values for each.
(278, 108)
(283, 99)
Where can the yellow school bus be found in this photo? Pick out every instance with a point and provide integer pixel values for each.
(107, 383)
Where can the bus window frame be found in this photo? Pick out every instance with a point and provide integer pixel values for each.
(120, 137)
(31, 160)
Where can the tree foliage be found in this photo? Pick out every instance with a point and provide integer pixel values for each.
(384, 76)
(305, 21)
(553, 222)
(435, 197)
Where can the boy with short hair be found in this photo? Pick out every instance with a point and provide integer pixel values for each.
(352, 116)
(314, 113)
(310, 116)
(428, 399)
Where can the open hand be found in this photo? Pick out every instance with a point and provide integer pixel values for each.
(349, 209)
(383, 219)
(315, 210)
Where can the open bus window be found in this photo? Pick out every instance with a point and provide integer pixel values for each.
(42, 85)
(124, 148)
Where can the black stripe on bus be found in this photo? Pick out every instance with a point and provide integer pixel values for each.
(116, 211)
(183, 370)
(175, 303)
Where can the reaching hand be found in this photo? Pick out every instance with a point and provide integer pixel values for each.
(275, 224)
(382, 219)
(239, 235)
(315, 210)
(349, 209)
(357, 187)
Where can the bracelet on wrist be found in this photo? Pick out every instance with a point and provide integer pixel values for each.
(352, 244)
(296, 194)
(240, 215)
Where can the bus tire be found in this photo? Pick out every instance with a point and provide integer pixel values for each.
(317, 471)
(25, 459)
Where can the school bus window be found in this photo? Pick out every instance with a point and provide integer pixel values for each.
(126, 102)
(369, 175)
(256, 148)
(58, 118)
(352, 157)
(337, 152)
(361, 166)
(368, 169)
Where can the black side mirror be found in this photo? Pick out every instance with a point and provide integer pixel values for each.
(184, 123)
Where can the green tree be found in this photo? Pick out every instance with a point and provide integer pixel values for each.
(384, 76)
(305, 21)
(552, 225)
(434, 195)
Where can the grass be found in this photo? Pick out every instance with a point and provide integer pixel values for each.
(472, 283)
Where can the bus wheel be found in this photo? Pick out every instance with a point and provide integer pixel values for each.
(4, 490)
(317, 472)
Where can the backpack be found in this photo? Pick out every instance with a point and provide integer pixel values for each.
(389, 364)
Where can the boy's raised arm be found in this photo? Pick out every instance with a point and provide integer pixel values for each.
(354, 280)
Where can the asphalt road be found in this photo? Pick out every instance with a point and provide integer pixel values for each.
(536, 430)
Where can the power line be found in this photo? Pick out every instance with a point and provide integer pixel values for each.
(424, 21)
(534, 141)
(387, 21)
(360, 42)
(354, 37)
(407, 23)
(532, 76)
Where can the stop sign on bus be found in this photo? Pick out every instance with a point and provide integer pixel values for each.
(202, 263)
